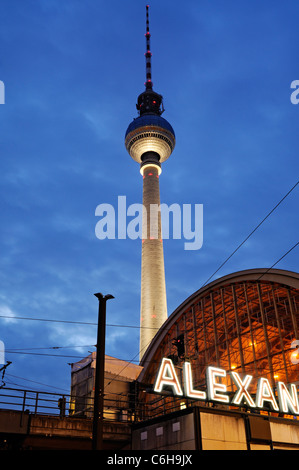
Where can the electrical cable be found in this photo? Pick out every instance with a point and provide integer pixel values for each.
(132, 326)
(128, 362)
(44, 354)
(74, 322)
(251, 233)
(283, 256)
(293, 247)
(33, 381)
(51, 347)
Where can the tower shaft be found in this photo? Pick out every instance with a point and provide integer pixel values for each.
(153, 306)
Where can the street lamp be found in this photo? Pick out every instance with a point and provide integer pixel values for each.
(97, 429)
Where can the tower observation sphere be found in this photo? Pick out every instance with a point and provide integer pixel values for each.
(150, 140)
(150, 133)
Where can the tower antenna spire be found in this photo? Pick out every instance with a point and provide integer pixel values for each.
(149, 102)
(148, 54)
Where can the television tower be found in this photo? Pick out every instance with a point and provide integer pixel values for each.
(150, 141)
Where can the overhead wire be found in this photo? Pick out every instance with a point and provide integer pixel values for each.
(251, 233)
(50, 347)
(128, 362)
(12, 317)
(139, 327)
(124, 326)
(44, 354)
(281, 258)
(32, 381)
(133, 326)
(267, 270)
(22, 350)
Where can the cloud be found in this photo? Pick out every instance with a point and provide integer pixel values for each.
(6, 311)
(72, 72)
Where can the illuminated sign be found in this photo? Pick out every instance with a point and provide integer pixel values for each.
(286, 401)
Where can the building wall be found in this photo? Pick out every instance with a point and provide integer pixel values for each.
(284, 433)
(201, 429)
(176, 433)
(119, 382)
(222, 432)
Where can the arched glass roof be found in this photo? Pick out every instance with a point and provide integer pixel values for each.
(245, 322)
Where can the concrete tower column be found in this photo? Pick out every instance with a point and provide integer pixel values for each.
(153, 305)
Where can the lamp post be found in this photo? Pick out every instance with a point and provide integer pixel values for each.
(97, 429)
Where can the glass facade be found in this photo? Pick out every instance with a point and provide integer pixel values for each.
(245, 323)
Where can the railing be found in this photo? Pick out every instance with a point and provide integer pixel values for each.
(35, 402)
(117, 408)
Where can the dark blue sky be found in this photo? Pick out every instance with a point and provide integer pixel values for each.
(72, 72)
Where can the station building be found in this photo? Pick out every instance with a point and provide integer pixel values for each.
(238, 333)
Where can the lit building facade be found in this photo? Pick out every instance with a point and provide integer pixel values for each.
(242, 327)
(245, 323)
